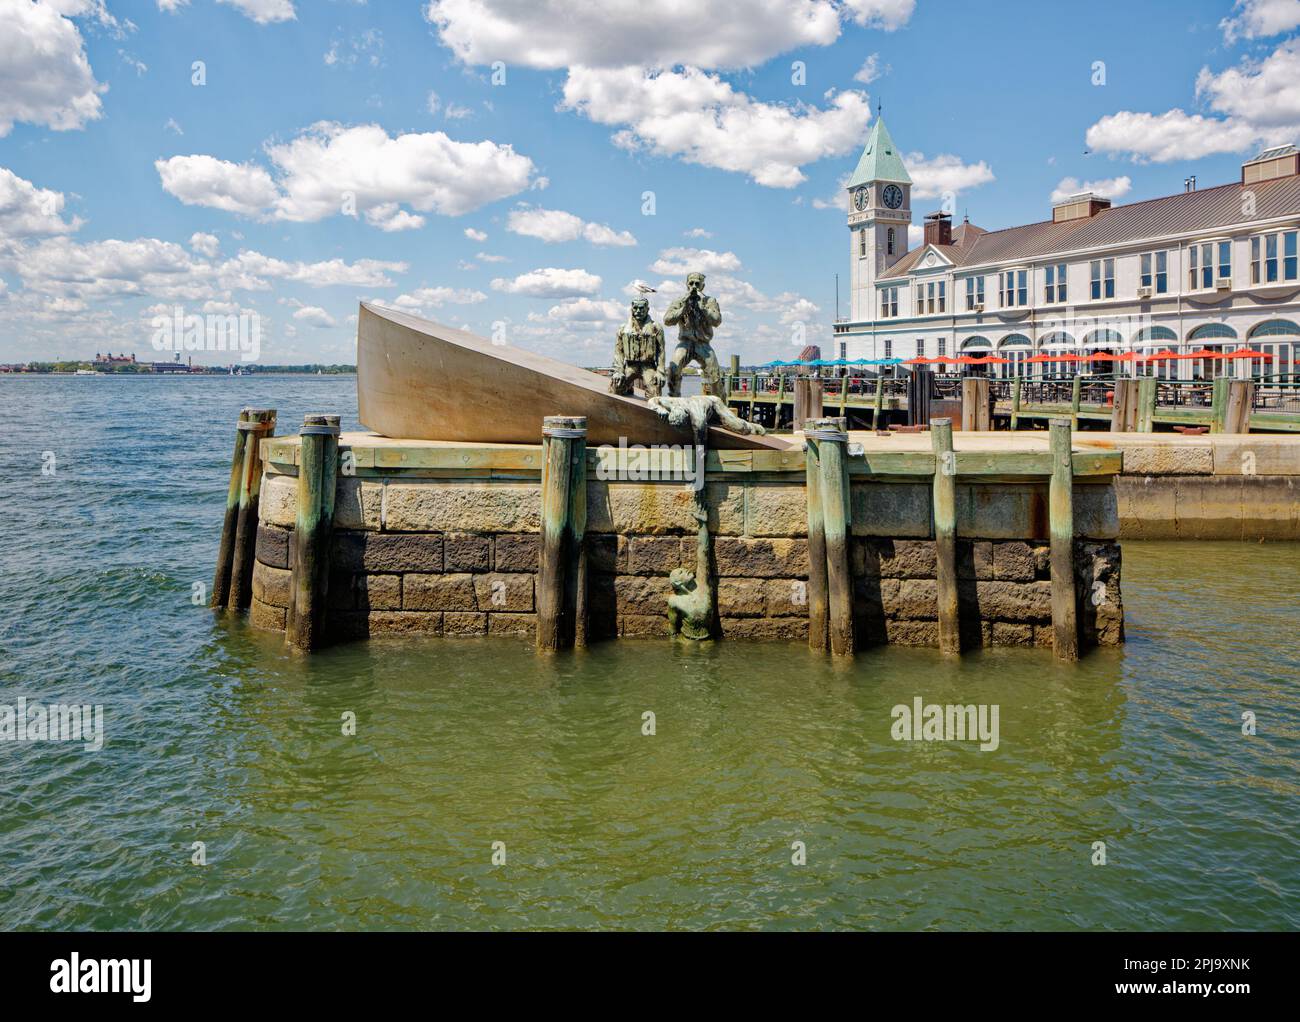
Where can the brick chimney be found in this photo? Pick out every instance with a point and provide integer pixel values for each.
(938, 228)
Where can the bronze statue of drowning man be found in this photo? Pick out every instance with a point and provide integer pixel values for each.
(695, 315)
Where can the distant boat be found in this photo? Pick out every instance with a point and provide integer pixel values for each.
(420, 380)
(87, 372)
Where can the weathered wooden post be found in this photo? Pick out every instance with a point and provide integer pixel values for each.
(801, 391)
(1076, 397)
(975, 404)
(945, 534)
(564, 515)
(1060, 503)
(832, 438)
(818, 636)
(259, 424)
(1015, 402)
(313, 528)
(1148, 387)
(1236, 410)
(1120, 407)
(878, 405)
(226, 549)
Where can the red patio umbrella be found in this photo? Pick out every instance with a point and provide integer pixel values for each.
(1249, 353)
(982, 360)
(1203, 353)
(1159, 356)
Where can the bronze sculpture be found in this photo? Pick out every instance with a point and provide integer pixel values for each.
(695, 314)
(638, 353)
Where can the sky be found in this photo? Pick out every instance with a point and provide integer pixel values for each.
(516, 167)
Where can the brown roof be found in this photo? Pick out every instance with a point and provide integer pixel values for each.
(1205, 210)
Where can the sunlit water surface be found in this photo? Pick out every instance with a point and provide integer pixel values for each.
(216, 734)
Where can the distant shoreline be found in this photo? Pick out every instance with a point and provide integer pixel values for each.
(200, 375)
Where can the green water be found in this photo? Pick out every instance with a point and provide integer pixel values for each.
(216, 734)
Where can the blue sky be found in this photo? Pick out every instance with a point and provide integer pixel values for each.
(340, 150)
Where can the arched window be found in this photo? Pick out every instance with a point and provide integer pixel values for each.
(1015, 348)
(1275, 328)
(1056, 341)
(976, 342)
(1210, 331)
(1154, 333)
(889, 242)
(1014, 341)
(1103, 339)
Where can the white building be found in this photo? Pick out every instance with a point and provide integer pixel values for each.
(1215, 268)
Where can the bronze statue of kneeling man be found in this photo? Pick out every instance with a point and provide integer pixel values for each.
(638, 353)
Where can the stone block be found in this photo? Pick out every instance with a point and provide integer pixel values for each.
(634, 594)
(266, 617)
(461, 623)
(1254, 456)
(501, 592)
(915, 599)
(386, 552)
(273, 546)
(271, 585)
(516, 552)
(341, 595)
(278, 500)
(776, 509)
(464, 551)
(761, 558)
(974, 559)
(512, 624)
(1013, 562)
(1005, 633)
(377, 592)
(439, 592)
(643, 626)
(358, 504)
(741, 597)
(662, 508)
(906, 558)
(438, 506)
(605, 552)
(899, 510)
(786, 597)
(1013, 601)
(1169, 458)
(359, 624)
(1020, 511)
(1147, 507)
(658, 555)
(913, 633)
(765, 629)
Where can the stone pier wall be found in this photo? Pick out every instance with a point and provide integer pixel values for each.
(456, 554)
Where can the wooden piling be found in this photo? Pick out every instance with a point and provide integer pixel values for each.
(226, 549)
(975, 404)
(561, 571)
(313, 530)
(945, 534)
(1148, 388)
(1076, 398)
(1015, 402)
(818, 636)
(259, 424)
(1236, 409)
(1065, 622)
(832, 438)
(878, 405)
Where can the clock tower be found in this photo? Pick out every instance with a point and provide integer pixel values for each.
(880, 211)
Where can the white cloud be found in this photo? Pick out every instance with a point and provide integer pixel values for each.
(1258, 19)
(27, 211)
(940, 175)
(488, 257)
(555, 225)
(315, 316)
(318, 171)
(680, 261)
(264, 11)
(45, 77)
(883, 14)
(205, 245)
(702, 119)
(206, 181)
(1259, 101)
(697, 232)
(615, 33)
(1107, 188)
(869, 71)
(586, 311)
(423, 299)
(550, 282)
(475, 235)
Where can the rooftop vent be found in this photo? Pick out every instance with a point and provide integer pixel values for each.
(938, 228)
(1079, 207)
(1279, 161)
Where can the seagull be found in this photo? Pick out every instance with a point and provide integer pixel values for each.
(645, 289)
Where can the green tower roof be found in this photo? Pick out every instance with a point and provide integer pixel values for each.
(880, 160)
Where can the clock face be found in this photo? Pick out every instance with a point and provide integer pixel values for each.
(893, 196)
(860, 199)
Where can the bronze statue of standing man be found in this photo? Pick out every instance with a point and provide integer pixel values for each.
(638, 353)
(695, 314)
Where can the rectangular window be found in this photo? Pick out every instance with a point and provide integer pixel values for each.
(1225, 259)
(1254, 261)
(1055, 290)
(943, 295)
(1095, 277)
(974, 292)
(862, 241)
(920, 347)
(943, 346)
(1013, 288)
(929, 297)
(1022, 287)
(1162, 273)
(1289, 254)
(1155, 272)
(1273, 257)
(889, 349)
(888, 302)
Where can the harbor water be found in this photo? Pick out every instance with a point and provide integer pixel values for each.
(486, 787)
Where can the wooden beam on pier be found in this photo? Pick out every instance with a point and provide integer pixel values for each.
(975, 407)
(831, 437)
(226, 548)
(945, 534)
(561, 574)
(818, 634)
(1060, 503)
(259, 424)
(313, 530)
(1015, 402)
